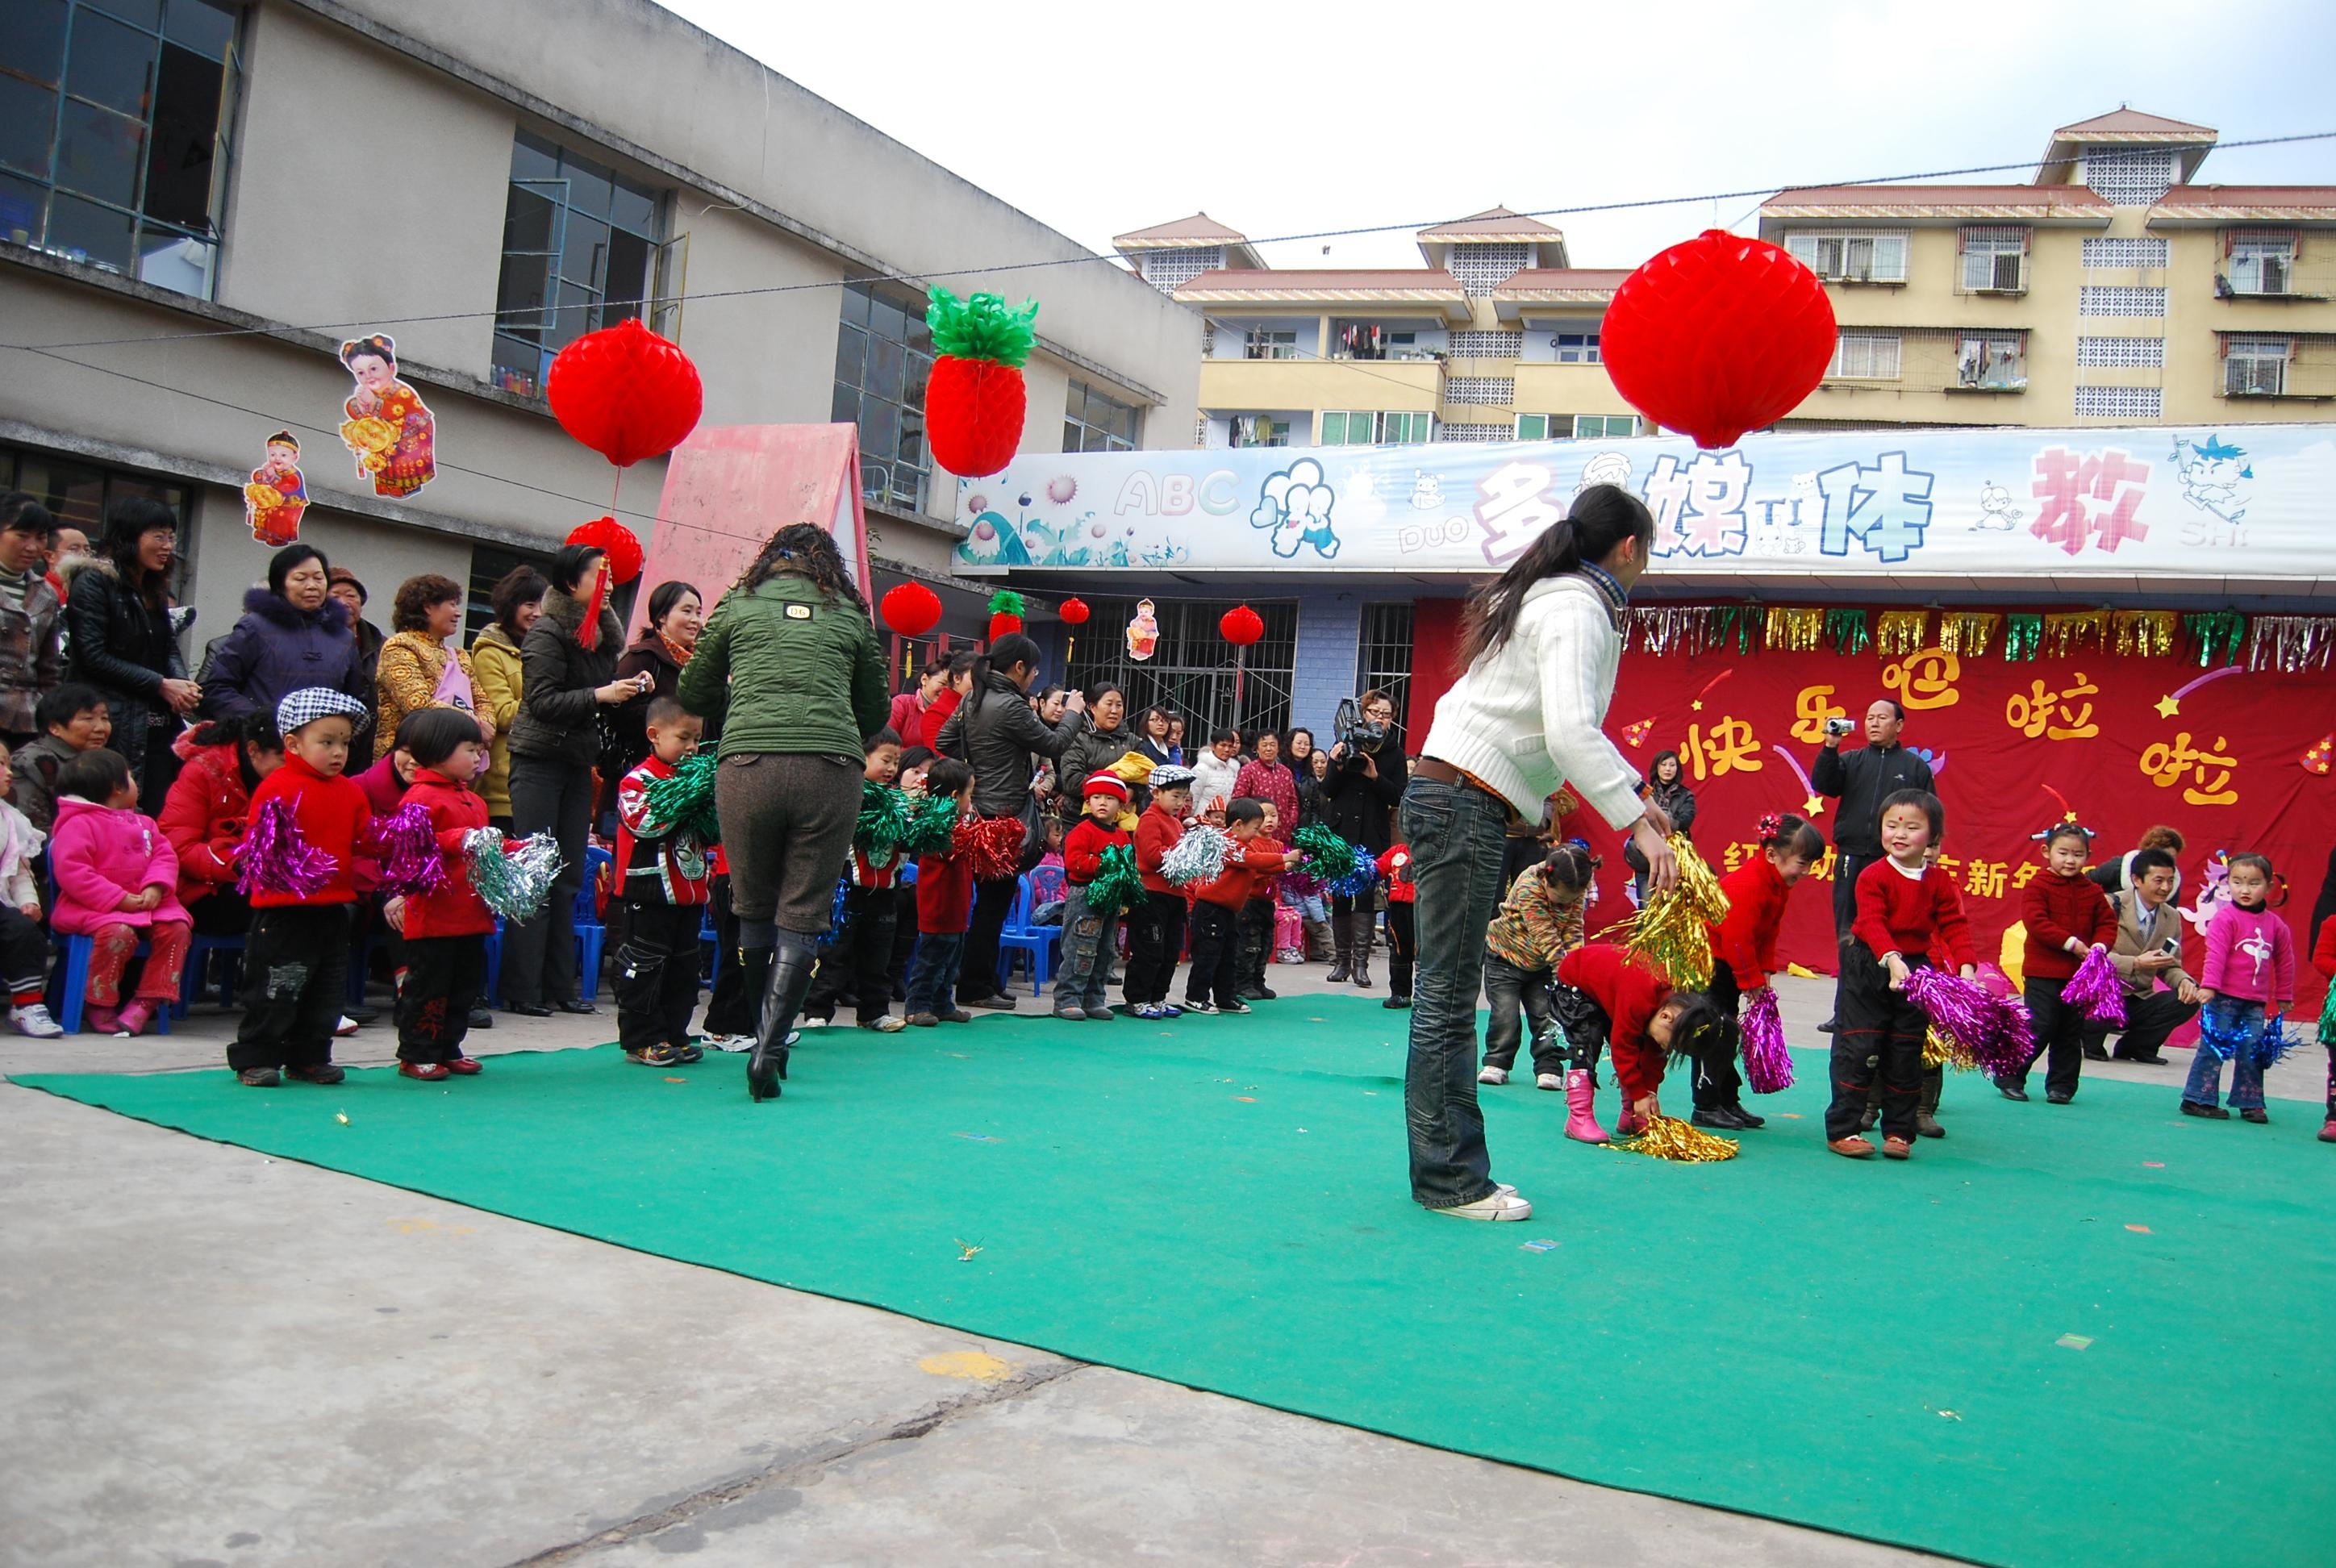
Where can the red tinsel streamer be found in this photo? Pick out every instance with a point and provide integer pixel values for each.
(2094, 989)
(408, 847)
(1767, 1064)
(274, 858)
(992, 846)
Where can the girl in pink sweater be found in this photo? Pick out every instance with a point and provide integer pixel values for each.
(2250, 967)
(117, 882)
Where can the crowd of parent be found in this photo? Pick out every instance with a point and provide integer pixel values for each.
(32, 616)
(419, 666)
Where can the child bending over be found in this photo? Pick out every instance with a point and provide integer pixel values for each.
(1605, 993)
(1744, 950)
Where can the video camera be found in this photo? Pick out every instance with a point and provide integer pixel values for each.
(1358, 736)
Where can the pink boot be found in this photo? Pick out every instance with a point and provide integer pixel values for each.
(1581, 1108)
(100, 1020)
(133, 1019)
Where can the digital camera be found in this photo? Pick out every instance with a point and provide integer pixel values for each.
(1840, 727)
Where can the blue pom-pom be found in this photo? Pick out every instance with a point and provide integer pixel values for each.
(1359, 881)
(2226, 1043)
(2273, 1044)
(835, 912)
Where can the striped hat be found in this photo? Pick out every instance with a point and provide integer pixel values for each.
(1172, 776)
(311, 703)
(1104, 783)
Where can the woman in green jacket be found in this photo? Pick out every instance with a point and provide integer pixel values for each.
(789, 669)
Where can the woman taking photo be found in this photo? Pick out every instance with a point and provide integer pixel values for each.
(293, 634)
(1540, 649)
(417, 669)
(566, 664)
(518, 600)
(676, 616)
(997, 733)
(1359, 794)
(120, 616)
(790, 669)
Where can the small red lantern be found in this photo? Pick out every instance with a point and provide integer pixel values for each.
(1241, 625)
(1074, 612)
(626, 393)
(1717, 336)
(614, 541)
(911, 608)
(1005, 613)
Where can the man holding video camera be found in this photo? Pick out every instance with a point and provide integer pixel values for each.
(1358, 801)
(1862, 781)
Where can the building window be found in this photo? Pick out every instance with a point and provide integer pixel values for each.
(583, 248)
(2261, 265)
(1093, 423)
(2094, 300)
(1481, 268)
(2130, 176)
(2124, 253)
(1577, 426)
(2255, 366)
(1865, 356)
(1534, 426)
(1369, 340)
(1190, 673)
(2120, 403)
(1256, 429)
(1851, 255)
(489, 563)
(78, 492)
(1995, 260)
(1498, 391)
(1383, 661)
(1487, 345)
(1264, 342)
(883, 357)
(1393, 428)
(1993, 362)
(114, 135)
(2148, 353)
(1170, 270)
(1575, 347)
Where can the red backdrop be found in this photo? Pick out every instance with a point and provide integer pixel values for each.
(2225, 767)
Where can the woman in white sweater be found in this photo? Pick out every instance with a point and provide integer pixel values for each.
(1542, 646)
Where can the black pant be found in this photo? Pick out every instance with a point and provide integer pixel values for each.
(1716, 1082)
(24, 954)
(729, 1010)
(1403, 946)
(296, 964)
(539, 955)
(224, 913)
(443, 976)
(859, 959)
(1216, 953)
(1845, 867)
(657, 974)
(904, 940)
(1508, 990)
(1256, 929)
(2149, 1019)
(1155, 941)
(1879, 1035)
(1584, 1024)
(2059, 1037)
(977, 976)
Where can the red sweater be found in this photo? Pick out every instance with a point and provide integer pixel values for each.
(1746, 941)
(1897, 914)
(1396, 865)
(1082, 849)
(332, 815)
(2054, 909)
(1157, 832)
(944, 894)
(1248, 862)
(455, 910)
(2323, 951)
(1630, 990)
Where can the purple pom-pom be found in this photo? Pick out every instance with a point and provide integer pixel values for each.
(1767, 1064)
(1964, 1012)
(274, 858)
(409, 861)
(2095, 991)
(2012, 1049)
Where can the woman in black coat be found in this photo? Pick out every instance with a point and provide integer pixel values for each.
(1358, 802)
(122, 644)
(676, 616)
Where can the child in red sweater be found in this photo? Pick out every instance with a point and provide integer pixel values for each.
(1605, 993)
(2067, 917)
(445, 932)
(1090, 933)
(1216, 947)
(1904, 905)
(1155, 929)
(1253, 923)
(296, 960)
(944, 903)
(1403, 934)
(1744, 950)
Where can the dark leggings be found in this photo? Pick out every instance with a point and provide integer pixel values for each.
(977, 976)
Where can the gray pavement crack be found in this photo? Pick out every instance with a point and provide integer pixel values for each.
(802, 1464)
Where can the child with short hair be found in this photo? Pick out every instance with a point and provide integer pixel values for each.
(944, 907)
(1254, 924)
(1403, 935)
(1155, 929)
(1089, 933)
(1538, 924)
(1216, 945)
(662, 875)
(295, 959)
(2067, 917)
(1605, 994)
(117, 884)
(73, 719)
(2250, 971)
(24, 946)
(859, 955)
(1744, 950)
(445, 932)
(1905, 905)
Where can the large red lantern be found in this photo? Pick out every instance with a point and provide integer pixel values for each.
(911, 608)
(614, 541)
(975, 401)
(1717, 336)
(1074, 612)
(1241, 625)
(626, 393)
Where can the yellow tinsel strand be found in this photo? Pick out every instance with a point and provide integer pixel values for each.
(2144, 633)
(1795, 629)
(1939, 1051)
(2065, 634)
(1967, 633)
(1673, 928)
(1669, 1138)
(1899, 632)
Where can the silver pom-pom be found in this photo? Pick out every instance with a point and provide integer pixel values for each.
(1199, 856)
(513, 883)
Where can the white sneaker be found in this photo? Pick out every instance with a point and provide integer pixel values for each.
(346, 1026)
(1493, 1076)
(811, 1023)
(890, 1024)
(1500, 1205)
(727, 1042)
(1549, 1081)
(34, 1021)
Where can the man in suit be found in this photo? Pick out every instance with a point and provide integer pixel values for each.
(2149, 950)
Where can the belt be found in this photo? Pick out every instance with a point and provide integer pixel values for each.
(1444, 773)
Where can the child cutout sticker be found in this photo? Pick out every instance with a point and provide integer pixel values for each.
(389, 429)
(277, 497)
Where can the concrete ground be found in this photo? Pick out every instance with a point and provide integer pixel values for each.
(218, 1358)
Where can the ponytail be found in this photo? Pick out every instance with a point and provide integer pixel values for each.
(1602, 516)
(1004, 653)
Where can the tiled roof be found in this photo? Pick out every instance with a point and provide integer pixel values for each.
(2018, 203)
(1562, 279)
(2133, 125)
(1198, 229)
(1494, 223)
(2225, 201)
(1240, 283)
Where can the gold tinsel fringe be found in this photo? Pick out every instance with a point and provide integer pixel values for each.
(2066, 634)
(1966, 633)
(2144, 633)
(1669, 1138)
(1940, 1051)
(1795, 629)
(1899, 632)
(1674, 929)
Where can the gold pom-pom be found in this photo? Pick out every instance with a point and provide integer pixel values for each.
(1669, 1138)
(1940, 1051)
(1674, 929)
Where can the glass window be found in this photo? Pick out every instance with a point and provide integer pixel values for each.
(79, 492)
(1190, 674)
(1865, 356)
(882, 358)
(1576, 347)
(1095, 423)
(2261, 265)
(1850, 256)
(579, 244)
(1605, 426)
(1533, 427)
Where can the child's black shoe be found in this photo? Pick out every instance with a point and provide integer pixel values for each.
(2256, 1114)
(2212, 1113)
(319, 1073)
(657, 1055)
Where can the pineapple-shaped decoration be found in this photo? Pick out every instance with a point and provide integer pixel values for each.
(974, 399)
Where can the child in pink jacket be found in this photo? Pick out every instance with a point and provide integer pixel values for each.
(117, 882)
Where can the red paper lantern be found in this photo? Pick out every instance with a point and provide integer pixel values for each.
(974, 397)
(1241, 625)
(614, 541)
(626, 393)
(1717, 336)
(911, 608)
(1074, 612)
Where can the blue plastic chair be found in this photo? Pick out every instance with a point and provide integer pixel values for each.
(494, 997)
(591, 936)
(1037, 944)
(230, 972)
(77, 950)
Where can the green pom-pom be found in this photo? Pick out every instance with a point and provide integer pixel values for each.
(932, 824)
(687, 799)
(885, 821)
(1327, 856)
(1118, 885)
(982, 328)
(1006, 601)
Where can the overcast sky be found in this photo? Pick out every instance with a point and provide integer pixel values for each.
(1098, 119)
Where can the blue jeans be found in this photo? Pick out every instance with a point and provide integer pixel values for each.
(1087, 934)
(932, 975)
(1457, 835)
(2240, 1022)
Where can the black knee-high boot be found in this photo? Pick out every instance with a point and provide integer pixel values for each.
(1342, 942)
(1359, 944)
(782, 994)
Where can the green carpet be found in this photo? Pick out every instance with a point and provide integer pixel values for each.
(2098, 1334)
